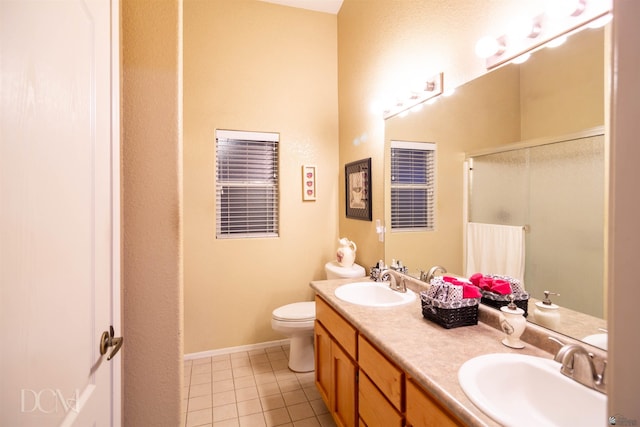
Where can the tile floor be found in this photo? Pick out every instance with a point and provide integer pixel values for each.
(251, 389)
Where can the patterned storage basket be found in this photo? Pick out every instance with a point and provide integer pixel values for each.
(450, 314)
(521, 298)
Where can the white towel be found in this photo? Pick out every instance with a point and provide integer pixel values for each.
(495, 249)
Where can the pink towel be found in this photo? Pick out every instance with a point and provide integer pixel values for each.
(490, 284)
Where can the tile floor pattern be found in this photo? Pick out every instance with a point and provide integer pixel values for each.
(251, 389)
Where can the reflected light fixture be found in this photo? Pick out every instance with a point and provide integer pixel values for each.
(522, 58)
(562, 8)
(558, 41)
(562, 18)
(414, 101)
(489, 46)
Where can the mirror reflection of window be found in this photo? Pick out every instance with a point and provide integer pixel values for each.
(412, 186)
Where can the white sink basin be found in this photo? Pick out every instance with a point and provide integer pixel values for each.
(598, 340)
(520, 390)
(373, 294)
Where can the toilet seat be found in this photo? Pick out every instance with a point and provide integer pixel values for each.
(296, 312)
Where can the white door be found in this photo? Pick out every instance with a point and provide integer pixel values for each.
(59, 212)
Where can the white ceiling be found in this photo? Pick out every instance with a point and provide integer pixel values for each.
(327, 6)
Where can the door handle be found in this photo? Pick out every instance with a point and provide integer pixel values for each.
(108, 340)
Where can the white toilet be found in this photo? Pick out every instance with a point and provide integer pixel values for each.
(296, 320)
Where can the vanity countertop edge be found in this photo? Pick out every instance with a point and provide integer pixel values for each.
(430, 354)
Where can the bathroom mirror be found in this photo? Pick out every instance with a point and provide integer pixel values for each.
(556, 95)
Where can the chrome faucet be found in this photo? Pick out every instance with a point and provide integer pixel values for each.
(592, 378)
(393, 282)
(431, 273)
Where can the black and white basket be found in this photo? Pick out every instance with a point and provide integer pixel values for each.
(521, 298)
(451, 314)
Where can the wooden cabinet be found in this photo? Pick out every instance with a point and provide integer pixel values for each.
(336, 369)
(361, 386)
(424, 410)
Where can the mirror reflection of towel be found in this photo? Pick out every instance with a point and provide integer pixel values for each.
(495, 249)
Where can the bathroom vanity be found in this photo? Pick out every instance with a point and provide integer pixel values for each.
(390, 366)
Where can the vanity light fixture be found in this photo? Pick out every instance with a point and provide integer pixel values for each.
(489, 46)
(415, 100)
(562, 18)
(563, 8)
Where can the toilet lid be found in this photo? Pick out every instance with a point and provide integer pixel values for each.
(296, 312)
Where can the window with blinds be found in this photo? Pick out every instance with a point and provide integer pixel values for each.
(412, 186)
(246, 184)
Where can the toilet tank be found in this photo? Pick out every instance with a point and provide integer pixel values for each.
(333, 270)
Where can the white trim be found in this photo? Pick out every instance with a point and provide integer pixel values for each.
(229, 350)
(587, 133)
(411, 145)
(247, 136)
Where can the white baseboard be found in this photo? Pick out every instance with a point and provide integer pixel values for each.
(228, 350)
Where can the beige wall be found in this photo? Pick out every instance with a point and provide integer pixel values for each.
(257, 66)
(562, 89)
(152, 213)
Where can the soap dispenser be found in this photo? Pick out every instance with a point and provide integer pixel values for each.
(513, 324)
(547, 313)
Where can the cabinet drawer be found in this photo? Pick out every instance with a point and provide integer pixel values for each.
(342, 331)
(382, 372)
(423, 410)
(373, 408)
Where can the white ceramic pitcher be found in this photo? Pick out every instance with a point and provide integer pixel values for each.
(346, 253)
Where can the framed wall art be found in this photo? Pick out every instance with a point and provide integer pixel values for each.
(308, 183)
(358, 189)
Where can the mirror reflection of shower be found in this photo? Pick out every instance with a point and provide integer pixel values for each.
(558, 190)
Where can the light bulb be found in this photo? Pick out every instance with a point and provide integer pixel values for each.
(416, 107)
(601, 22)
(449, 92)
(488, 46)
(564, 8)
(558, 41)
(522, 58)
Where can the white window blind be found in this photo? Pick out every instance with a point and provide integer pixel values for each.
(246, 184)
(412, 186)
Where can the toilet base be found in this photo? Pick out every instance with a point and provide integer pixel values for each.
(301, 357)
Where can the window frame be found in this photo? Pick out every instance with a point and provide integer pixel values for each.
(429, 187)
(248, 184)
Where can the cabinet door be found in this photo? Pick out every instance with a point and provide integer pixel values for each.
(341, 330)
(323, 373)
(373, 408)
(384, 374)
(343, 405)
(424, 411)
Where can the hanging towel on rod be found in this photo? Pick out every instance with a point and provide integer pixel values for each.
(495, 249)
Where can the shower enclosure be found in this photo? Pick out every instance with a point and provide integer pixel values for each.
(556, 190)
